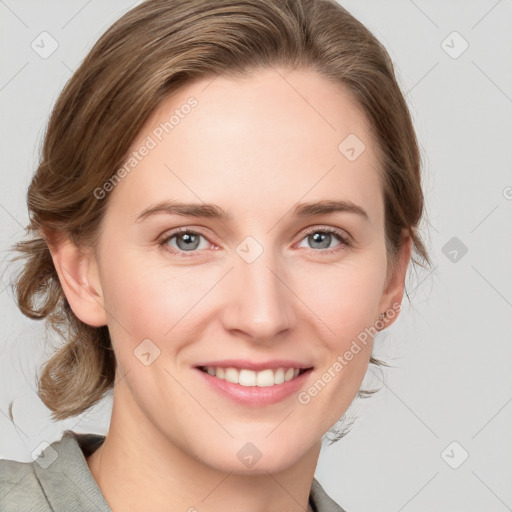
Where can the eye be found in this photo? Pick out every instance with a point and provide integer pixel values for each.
(184, 240)
(322, 238)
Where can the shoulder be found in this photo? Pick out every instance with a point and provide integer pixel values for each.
(20, 488)
(321, 501)
(59, 479)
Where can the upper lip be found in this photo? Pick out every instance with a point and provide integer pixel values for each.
(252, 365)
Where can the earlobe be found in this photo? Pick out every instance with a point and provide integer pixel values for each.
(394, 290)
(79, 278)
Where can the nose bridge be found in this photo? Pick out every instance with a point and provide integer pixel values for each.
(260, 304)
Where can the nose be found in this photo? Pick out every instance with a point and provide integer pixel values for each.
(260, 304)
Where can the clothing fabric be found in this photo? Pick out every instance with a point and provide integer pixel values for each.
(60, 480)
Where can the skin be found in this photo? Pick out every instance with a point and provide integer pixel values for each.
(254, 146)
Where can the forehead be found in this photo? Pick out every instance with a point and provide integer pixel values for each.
(273, 138)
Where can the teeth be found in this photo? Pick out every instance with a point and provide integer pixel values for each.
(250, 378)
(246, 378)
(231, 375)
(264, 378)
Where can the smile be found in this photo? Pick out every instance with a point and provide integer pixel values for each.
(257, 387)
(249, 378)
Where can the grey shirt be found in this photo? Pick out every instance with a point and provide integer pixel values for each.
(60, 480)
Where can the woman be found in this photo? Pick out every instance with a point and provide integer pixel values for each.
(222, 219)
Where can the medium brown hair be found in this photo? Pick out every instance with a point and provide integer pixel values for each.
(153, 50)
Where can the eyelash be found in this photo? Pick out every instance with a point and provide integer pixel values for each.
(345, 241)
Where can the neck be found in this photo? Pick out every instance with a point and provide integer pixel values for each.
(138, 468)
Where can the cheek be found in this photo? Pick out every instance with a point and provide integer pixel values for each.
(345, 298)
(148, 299)
(348, 312)
(135, 300)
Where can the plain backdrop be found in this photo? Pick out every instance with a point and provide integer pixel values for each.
(438, 434)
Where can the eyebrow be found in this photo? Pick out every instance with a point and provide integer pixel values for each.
(213, 211)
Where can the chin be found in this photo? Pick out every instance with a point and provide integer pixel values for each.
(247, 457)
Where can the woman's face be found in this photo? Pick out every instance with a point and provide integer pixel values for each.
(274, 282)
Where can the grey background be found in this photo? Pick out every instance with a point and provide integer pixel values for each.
(452, 348)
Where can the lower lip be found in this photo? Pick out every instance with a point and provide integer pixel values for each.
(255, 396)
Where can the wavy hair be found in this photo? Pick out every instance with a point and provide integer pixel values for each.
(150, 52)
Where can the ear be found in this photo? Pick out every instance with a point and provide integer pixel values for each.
(393, 292)
(78, 275)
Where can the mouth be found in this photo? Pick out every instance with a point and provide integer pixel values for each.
(251, 378)
(258, 386)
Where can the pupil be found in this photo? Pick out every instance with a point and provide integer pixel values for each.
(322, 238)
(189, 240)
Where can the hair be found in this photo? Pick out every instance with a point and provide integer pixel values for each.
(153, 50)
